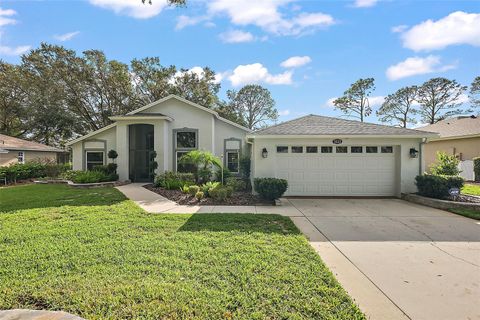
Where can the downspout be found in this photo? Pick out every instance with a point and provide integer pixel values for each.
(420, 155)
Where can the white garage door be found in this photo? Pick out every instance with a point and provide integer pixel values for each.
(337, 170)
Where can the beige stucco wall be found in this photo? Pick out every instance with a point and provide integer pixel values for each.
(407, 168)
(211, 135)
(468, 148)
(11, 157)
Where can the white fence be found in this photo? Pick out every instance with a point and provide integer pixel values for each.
(466, 167)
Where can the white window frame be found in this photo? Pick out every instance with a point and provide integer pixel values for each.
(97, 163)
(238, 160)
(182, 149)
(21, 155)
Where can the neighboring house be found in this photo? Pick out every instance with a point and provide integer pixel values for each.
(171, 127)
(319, 156)
(459, 136)
(15, 150)
(323, 156)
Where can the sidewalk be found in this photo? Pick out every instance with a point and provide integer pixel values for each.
(154, 203)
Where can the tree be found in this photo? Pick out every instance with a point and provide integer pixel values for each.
(438, 98)
(475, 92)
(354, 102)
(253, 104)
(397, 107)
(12, 100)
(446, 165)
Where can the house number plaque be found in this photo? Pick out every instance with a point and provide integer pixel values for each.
(337, 141)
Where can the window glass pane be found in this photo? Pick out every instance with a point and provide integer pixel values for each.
(341, 149)
(182, 166)
(387, 149)
(232, 161)
(21, 157)
(297, 149)
(312, 149)
(356, 149)
(371, 149)
(282, 149)
(326, 149)
(95, 157)
(186, 139)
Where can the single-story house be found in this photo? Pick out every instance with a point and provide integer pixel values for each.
(14, 150)
(319, 156)
(458, 136)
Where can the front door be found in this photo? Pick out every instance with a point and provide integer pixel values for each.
(141, 140)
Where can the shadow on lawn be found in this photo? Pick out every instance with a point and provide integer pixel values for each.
(240, 222)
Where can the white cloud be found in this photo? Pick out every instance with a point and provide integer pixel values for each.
(415, 66)
(329, 102)
(186, 21)
(296, 61)
(364, 3)
(66, 36)
(457, 28)
(132, 8)
(283, 113)
(237, 36)
(400, 28)
(257, 73)
(13, 51)
(4, 14)
(266, 15)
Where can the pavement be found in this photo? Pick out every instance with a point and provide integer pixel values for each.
(396, 259)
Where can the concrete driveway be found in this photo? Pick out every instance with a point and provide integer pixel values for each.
(396, 259)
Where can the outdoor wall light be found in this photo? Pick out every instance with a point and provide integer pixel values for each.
(413, 153)
(264, 153)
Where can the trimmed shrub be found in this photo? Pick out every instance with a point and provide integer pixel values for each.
(245, 166)
(31, 170)
(236, 184)
(193, 190)
(107, 169)
(221, 193)
(476, 168)
(436, 186)
(445, 165)
(182, 178)
(270, 188)
(199, 195)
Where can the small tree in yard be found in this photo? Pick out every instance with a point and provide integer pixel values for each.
(446, 165)
(354, 102)
(112, 154)
(202, 161)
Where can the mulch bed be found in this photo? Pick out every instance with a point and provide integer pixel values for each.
(240, 198)
(466, 198)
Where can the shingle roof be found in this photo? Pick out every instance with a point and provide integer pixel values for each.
(11, 143)
(320, 125)
(455, 127)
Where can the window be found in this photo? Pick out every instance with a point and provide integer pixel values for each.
(388, 149)
(94, 158)
(183, 166)
(356, 149)
(186, 140)
(21, 157)
(326, 149)
(371, 149)
(312, 149)
(297, 149)
(232, 161)
(282, 149)
(341, 149)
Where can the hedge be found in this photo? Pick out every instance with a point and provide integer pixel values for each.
(270, 188)
(32, 170)
(436, 186)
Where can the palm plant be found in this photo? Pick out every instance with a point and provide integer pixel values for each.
(203, 162)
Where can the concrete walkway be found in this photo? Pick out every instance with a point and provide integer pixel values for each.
(396, 259)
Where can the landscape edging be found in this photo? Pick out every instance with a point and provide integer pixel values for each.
(438, 203)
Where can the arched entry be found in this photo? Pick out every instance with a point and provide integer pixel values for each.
(141, 140)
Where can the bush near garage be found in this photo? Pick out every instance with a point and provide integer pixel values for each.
(476, 168)
(437, 186)
(446, 164)
(270, 188)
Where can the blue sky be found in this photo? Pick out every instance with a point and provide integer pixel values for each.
(331, 43)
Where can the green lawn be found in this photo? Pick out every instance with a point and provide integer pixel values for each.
(102, 257)
(469, 213)
(471, 189)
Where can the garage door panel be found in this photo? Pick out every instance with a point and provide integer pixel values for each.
(338, 174)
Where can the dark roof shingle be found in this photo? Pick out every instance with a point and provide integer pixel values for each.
(320, 125)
